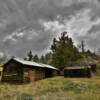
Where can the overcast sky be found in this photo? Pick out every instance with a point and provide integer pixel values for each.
(32, 24)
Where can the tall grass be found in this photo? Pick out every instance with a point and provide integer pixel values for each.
(57, 88)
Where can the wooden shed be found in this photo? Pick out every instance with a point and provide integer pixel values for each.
(18, 70)
(77, 71)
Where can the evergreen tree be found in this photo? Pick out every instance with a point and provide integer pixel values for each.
(48, 57)
(64, 52)
(36, 58)
(42, 59)
(30, 56)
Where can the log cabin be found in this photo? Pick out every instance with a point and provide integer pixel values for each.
(22, 71)
(77, 71)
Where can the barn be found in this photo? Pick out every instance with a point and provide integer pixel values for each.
(77, 71)
(22, 71)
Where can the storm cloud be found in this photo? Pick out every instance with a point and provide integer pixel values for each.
(32, 24)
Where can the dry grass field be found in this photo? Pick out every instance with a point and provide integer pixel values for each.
(57, 88)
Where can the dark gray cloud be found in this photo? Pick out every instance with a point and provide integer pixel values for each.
(32, 24)
(98, 0)
(94, 29)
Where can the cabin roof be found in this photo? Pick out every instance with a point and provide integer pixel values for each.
(32, 63)
(48, 66)
(76, 67)
(29, 63)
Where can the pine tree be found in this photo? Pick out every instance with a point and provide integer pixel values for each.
(36, 58)
(64, 52)
(48, 57)
(30, 56)
(42, 59)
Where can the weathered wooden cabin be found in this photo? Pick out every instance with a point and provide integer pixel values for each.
(18, 70)
(79, 71)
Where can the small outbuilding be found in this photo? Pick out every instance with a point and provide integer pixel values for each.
(78, 71)
(18, 70)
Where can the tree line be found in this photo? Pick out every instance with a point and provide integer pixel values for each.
(63, 52)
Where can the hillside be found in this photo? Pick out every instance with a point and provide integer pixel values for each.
(58, 88)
